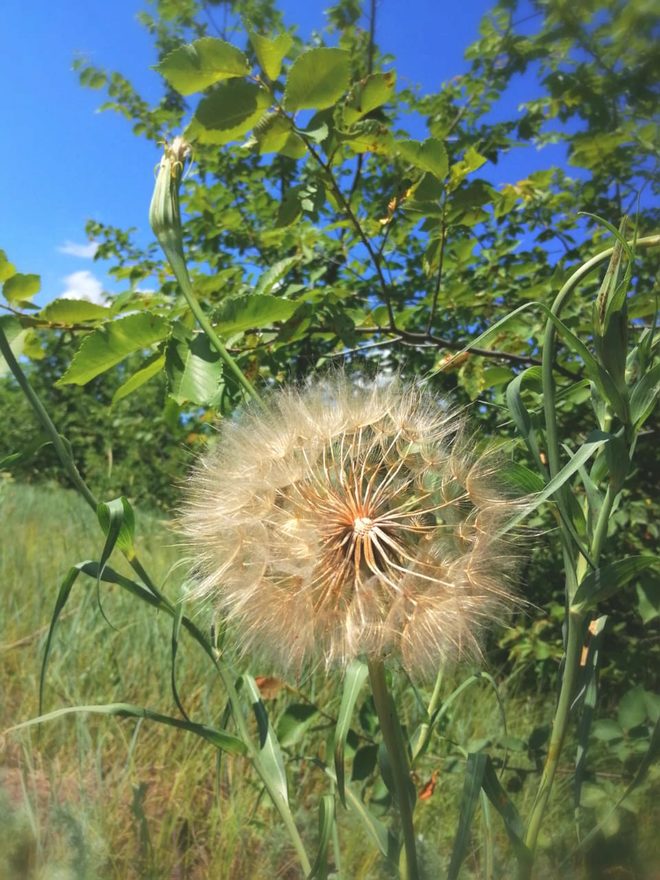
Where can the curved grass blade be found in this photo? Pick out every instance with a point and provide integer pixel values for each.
(520, 415)
(382, 838)
(355, 677)
(117, 520)
(604, 582)
(474, 775)
(62, 597)
(219, 738)
(592, 444)
(271, 760)
(326, 821)
(176, 629)
(505, 807)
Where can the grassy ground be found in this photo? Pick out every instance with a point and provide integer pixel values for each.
(98, 797)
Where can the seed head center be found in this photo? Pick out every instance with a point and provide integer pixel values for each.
(362, 525)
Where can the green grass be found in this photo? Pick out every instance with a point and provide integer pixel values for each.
(99, 797)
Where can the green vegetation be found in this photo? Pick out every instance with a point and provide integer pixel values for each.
(313, 228)
(95, 797)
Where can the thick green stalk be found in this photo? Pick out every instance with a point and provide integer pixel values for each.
(575, 620)
(165, 220)
(398, 756)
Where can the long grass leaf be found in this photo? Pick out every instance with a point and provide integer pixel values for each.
(355, 677)
(219, 738)
(326, 821)
(474, 775)
(271, 759)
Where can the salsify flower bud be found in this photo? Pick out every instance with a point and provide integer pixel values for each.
(350, 519)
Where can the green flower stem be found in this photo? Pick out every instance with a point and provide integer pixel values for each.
(165, 220)
(63, 451)
(398, 755)
(574, 639)
(576, 620)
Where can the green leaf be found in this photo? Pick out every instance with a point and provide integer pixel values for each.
(319, 869)
(111, 343)
(194, 370)
(373, 826)
(632, 709)
(117, 520)
(368, 94)
(474, 774)
(604, 582)
(230, 111)
(507, 810)
(7, 269)
(317, 79)
(219, 738)
(152, 366)
(295, 722)
(272, 276)
(369, 136)
(354, 679)
(521, 417)
(644, 396)
(21, 287)
(62, 597)
(252, 311)
(272, 763)
(471, 161)
(196, 66)
(429, 155)
(593, 442)
(16, 336)
(270, 53)
(274, 133)
(73, 311)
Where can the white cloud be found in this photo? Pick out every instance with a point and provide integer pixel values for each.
(83, 285)
(73, 249)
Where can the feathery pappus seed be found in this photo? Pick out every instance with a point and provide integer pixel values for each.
(348, 519)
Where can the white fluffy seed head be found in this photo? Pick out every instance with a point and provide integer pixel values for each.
(347, 519)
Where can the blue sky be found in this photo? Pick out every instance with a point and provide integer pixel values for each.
(66, 162)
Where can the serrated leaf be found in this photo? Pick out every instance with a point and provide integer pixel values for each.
(196, 66)
(21, 287)
(603, 582)
(231, 110)
(368, 94)
(110, 344)
(15, 335)
(272, 276)
(274, 134)
(369, 136)
(429, 155)
(270, 53)
(317, 79)
(72, 311)
(194, 370)
(152, 366)
(252, 312)
(7, 269)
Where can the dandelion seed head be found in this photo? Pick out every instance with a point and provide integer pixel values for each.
(349, 519)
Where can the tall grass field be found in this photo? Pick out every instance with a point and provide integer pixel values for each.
(88, 796)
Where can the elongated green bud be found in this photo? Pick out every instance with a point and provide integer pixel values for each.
(165, 220)
(164, 211)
